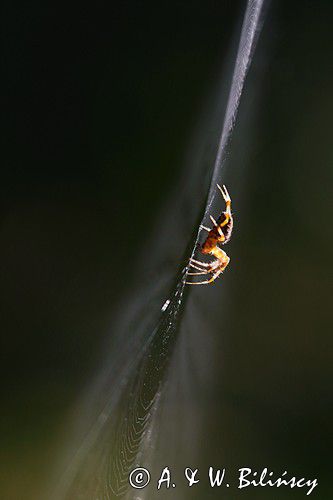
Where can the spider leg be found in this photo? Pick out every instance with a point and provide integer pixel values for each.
(201, 272)
(196, 267)
(213, 278)
(213, 221)
(219, 230)
(227, 200)
(205, 228)
(225, 194)
(203, 264)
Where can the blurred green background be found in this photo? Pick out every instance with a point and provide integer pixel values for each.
(101, 102)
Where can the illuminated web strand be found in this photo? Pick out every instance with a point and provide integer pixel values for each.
(249, 35)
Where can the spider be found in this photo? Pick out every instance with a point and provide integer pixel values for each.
(220, 233)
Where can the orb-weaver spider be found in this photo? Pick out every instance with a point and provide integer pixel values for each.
(220, 233)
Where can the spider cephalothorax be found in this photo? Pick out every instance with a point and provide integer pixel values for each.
(220, 233)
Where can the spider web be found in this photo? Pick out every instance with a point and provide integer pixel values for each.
(124, 434)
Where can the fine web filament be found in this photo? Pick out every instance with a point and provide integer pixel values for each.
(249, 36)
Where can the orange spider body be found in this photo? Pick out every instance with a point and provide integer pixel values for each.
(225, 223)
(219, 234)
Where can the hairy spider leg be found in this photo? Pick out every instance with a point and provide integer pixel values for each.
(204, 264)
(219, 230)
(197, 274)
(196, 267)
(213, 278)
(227, 200)
(225, 195)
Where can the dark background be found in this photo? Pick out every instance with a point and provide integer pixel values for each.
(100, 103)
